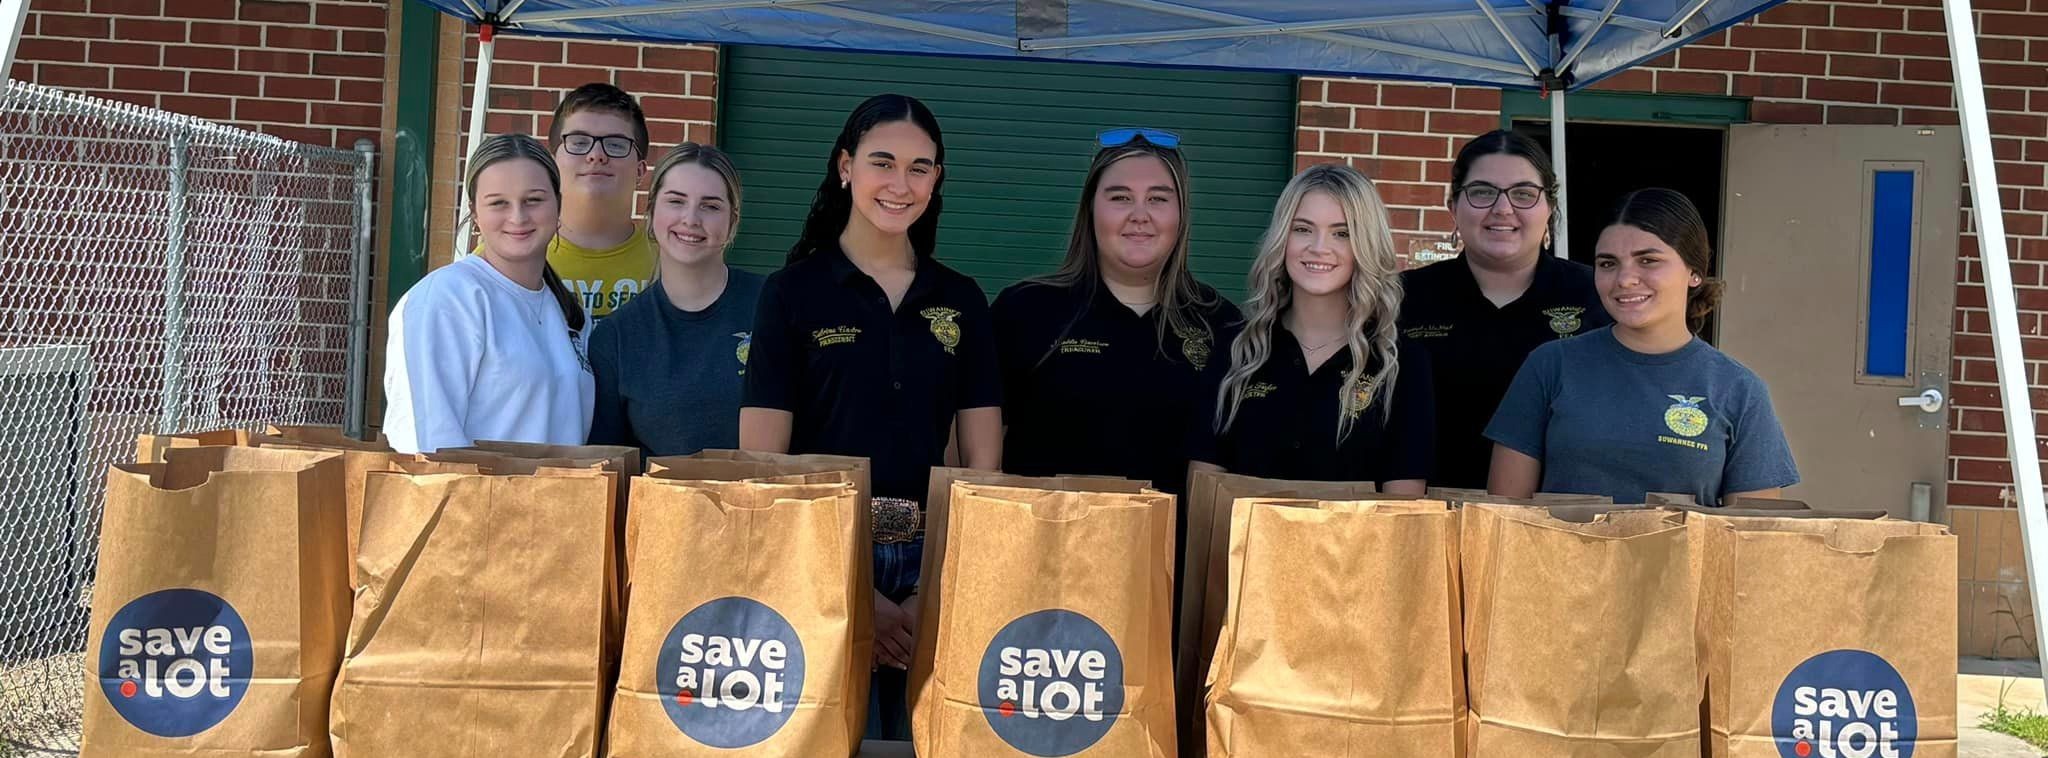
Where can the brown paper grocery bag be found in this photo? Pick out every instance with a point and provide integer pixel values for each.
(690, 468)
(1204, 566)
(331, 438)
(1054, 636)
(757, 634)
(149, 448)
(219, 606)
(1342, 635)
(1827, 637)
(480, 628)
(1579, 634)
(937, 504)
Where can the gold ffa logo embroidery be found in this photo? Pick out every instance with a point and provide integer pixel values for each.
(1195, 346)
(943, 328)
(1685, 417)
(1258, 390)
(746, 346)
(1360, 395)
(1565, 321)
(1428, 331)
(837, 335)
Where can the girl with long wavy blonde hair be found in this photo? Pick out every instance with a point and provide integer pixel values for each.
(1321, 383)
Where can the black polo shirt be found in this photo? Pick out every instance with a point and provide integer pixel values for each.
(1286, 426)
(1089, 388)
(1476, 348)
(864, 381)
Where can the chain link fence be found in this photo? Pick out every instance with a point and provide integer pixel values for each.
(158, 273)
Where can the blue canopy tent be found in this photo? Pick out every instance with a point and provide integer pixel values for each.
(1552, 45)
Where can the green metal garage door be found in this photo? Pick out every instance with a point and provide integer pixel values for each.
(1018, 139)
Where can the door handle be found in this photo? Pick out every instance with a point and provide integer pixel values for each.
(1928, 401)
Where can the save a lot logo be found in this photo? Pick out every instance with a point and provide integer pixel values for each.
(730, 673)
(1844, 704)
(1052, 683)
(176, 662)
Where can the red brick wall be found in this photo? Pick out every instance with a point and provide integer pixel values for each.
(306, 70)
(1805, 62)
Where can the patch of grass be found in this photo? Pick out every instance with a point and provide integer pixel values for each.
(2023, 723)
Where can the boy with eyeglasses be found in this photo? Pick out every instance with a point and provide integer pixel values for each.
(599, 136)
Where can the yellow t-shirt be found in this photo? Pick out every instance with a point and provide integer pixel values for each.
(604, 279)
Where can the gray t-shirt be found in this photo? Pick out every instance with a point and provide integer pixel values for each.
(669, 380)
(1606, 420)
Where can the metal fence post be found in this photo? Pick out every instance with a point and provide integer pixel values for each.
(174, 289)
(354, 420)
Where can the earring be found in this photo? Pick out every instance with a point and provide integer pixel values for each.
(1456, 241)
(1546, 239)
(843, 184)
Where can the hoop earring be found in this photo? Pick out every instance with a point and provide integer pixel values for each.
(1457, 242)
(1546, 240)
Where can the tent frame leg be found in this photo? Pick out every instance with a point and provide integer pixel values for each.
(2013, 386)
(1561, 246)
(13, 15)
(479, 106)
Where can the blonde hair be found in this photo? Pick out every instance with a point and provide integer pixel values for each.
(499, 148)
(691, 153)
(1375, 294)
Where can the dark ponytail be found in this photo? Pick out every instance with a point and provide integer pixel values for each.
(1673, 218)
(572, 311)
(831, 206)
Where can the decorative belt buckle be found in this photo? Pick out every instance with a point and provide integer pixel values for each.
(894, 520)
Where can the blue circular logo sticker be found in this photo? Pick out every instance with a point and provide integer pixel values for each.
(1052, 683)
(176, 662)
(730, 673)
(1844, 704)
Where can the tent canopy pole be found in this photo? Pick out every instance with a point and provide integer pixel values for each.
(1561, 246)
(13, 14)
(2005, 325)
(479, 104)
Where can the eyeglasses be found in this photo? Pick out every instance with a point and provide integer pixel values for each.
(1484, 196)
(615, 146)
(1124, 136)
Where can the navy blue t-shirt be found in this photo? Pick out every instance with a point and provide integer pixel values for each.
(1606, 420)
(669, 380)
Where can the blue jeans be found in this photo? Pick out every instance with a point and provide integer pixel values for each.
(897, 567)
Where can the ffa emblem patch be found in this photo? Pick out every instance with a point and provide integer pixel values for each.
(943, 328)
(1194, 345)
(1359, 397)
(746, 346)
(1564, 321)
(1685, 417)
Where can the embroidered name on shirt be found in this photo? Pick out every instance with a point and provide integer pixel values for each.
(1084, 347)
(838, 335)
(1427, 332)
(943, 328)
(1694, 444)
(1258, 390)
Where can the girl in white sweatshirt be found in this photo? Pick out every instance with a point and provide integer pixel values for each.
(491, 347)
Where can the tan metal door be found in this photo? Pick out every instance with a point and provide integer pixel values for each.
(1839, 254)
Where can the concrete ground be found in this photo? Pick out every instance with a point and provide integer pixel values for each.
(1978, 690)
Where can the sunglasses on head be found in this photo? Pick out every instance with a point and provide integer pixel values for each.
(1126, 135)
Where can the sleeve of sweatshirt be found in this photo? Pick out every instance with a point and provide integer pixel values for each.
(435, 349)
